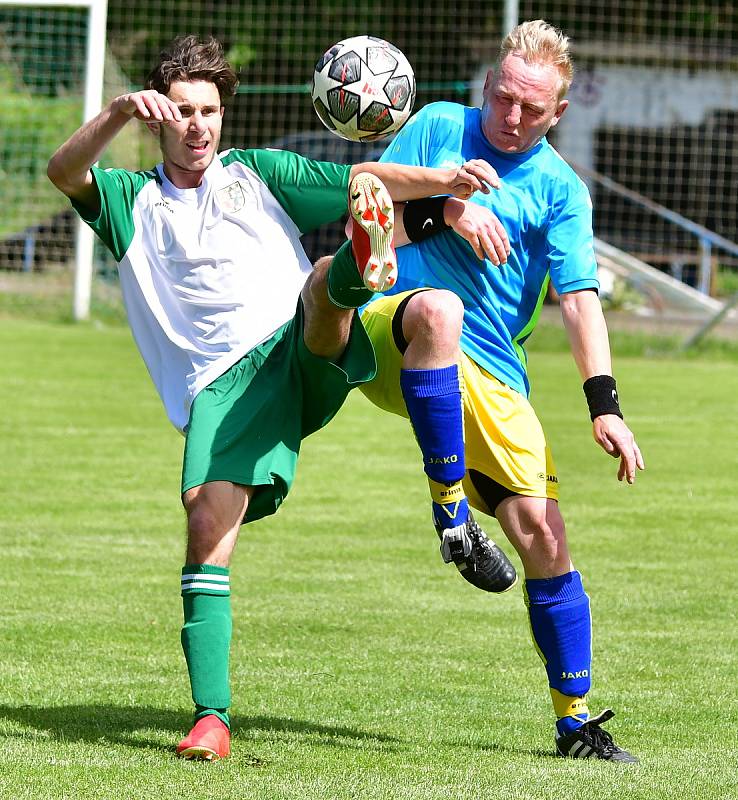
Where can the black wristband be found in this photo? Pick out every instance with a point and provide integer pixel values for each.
(602, 396)
(424, 218)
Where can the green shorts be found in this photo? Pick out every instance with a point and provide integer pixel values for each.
(247, 425)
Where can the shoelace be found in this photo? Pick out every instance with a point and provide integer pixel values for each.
(599, 739)
(476, 534)
(481, 552)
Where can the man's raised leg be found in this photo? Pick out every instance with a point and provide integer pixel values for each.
(430, 381)
(362, 266)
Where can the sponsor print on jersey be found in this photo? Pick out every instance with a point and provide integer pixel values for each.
(164, 203)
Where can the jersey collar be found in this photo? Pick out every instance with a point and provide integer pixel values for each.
(189, 195)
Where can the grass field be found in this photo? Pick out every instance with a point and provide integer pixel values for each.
(362, 666)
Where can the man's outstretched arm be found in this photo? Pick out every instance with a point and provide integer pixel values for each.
(476, 224)
(587, 330)
(69, 167)
(411, 183)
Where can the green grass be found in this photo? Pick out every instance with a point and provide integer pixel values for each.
(551, 337)
(47, 297)
(362, 666)
(35, 125)
(727, 281)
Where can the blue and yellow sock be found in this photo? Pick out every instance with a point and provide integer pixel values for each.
(561, 626)
(206, 637)
(433, 401)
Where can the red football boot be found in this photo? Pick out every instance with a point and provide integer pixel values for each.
(209, 740)
(371, 239)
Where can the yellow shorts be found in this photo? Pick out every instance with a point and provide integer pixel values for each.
(503, 438)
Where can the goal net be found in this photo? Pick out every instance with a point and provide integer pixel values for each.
(653, 107)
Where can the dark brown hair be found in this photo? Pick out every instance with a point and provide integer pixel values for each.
(190, 58)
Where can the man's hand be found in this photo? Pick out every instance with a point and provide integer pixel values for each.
(480, 227)
(615, 438)
(148, 106)
(472, 176)
(70, 167)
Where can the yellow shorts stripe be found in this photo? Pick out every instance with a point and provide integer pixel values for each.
(504, 439)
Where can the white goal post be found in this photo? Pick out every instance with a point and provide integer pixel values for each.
(94, 68)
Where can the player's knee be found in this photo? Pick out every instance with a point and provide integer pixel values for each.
(202, 523)
(436, 314)
(207, 530)
(315, 291)
(209, 546)
(316, 283)
(548, 538)
(322, 264)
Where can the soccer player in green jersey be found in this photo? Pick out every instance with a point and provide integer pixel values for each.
(251, 347)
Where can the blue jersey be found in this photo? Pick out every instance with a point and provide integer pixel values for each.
(547, 213)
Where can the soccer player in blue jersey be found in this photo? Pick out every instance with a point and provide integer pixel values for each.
(508, 470)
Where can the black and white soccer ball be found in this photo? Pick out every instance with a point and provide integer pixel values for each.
(363, 88)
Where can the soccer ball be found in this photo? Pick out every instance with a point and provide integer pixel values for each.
(363, 89)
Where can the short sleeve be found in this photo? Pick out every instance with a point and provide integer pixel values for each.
(117, 190)
(313, 193)
(570, 241)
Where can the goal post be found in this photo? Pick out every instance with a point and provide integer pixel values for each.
(93, 100)
(93, 89)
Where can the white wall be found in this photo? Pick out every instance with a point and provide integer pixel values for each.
(634, 96)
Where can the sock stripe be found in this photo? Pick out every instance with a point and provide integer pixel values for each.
(206, 579)
(205, 576)
(211, 587)
(446, 494)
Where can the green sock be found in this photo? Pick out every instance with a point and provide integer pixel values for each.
(206, 637)
(345, 287)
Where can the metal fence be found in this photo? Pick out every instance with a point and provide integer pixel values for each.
(654, 104)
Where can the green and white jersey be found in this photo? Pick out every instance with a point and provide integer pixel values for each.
(209, 273)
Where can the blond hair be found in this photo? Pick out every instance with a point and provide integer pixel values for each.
(537, 42)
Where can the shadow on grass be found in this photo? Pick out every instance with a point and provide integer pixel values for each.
(535, 752)
(131, 726)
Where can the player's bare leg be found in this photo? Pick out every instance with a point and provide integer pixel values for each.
(327, 327)
(214, 514)
(215, 511)
(535, 528)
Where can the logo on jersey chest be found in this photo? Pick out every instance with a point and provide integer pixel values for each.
(231, 198)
